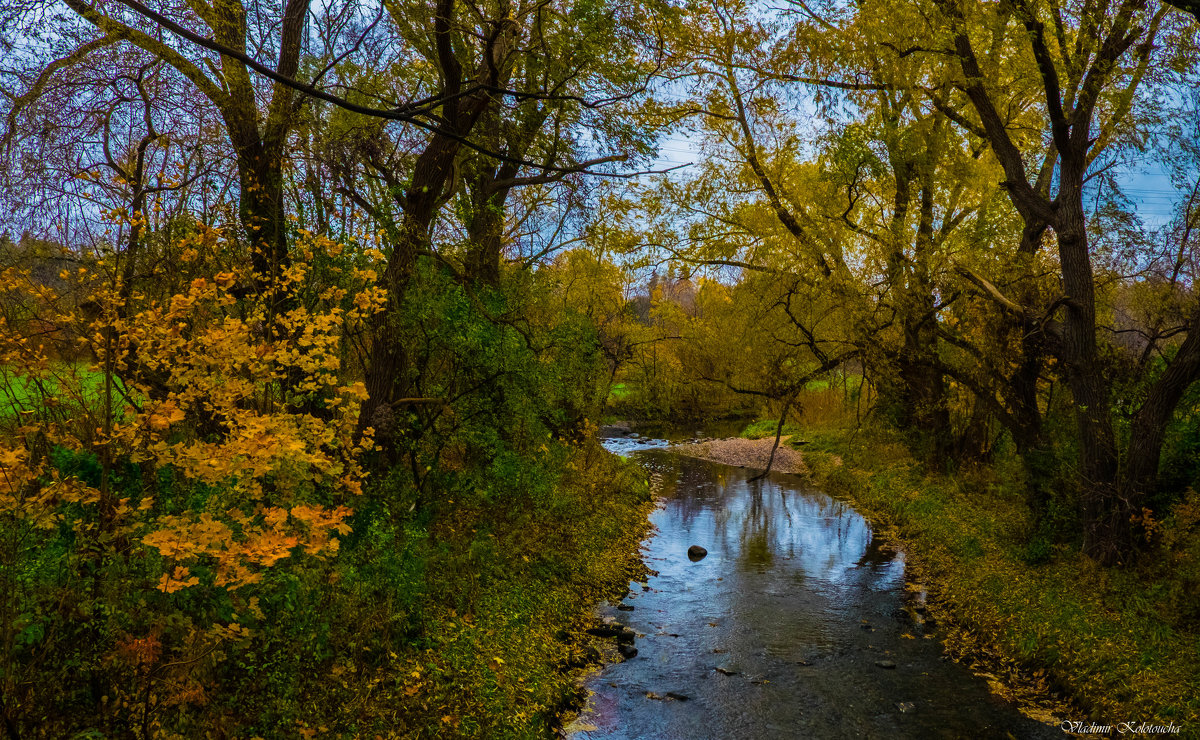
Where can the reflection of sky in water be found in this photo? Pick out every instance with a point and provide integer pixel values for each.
(794, 603)
(759, 526)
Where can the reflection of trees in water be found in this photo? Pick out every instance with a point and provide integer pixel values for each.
(876, 555)
(763, 520)
(759, 522)
(757, 538)
(877, 569)
(823, 536)
(693, 486)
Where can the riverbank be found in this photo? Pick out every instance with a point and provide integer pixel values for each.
(1107, 640)
(747, 453)
(1063, 638)
(502, 641)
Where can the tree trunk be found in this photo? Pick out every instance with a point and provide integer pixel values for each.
(485, 230)
(1106, 534)
(387, 371)
(1149, 425)
(921, 408)
(260, 206)
(1038, 458)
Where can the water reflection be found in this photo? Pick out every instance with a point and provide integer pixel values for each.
(778, 631)
(763, 524)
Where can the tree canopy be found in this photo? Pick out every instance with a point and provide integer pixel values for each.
(287, 291)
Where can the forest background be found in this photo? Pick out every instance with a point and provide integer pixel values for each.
(309, 312)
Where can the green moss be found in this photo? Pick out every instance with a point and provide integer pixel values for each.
(764, 428)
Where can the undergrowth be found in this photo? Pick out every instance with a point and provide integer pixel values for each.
(505, 599)
(1123, 644)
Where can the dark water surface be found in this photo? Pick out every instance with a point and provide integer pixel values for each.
(778, 631)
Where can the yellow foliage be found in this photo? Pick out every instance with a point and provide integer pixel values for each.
(177, 580)
(228, 392)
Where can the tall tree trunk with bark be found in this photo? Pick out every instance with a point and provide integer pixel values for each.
(434, 173)
(1112, 486)
(1106, 535)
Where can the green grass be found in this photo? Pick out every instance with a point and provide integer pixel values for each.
(19, 391)
(508, 595)
(618, 392)
(853, 382)
(1110, 638)
(764, 428)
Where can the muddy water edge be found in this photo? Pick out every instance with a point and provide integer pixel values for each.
(798, 622)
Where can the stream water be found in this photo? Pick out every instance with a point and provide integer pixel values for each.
(797, 624)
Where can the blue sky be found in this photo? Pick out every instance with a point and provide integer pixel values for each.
(1147, 184)
(1153, 192)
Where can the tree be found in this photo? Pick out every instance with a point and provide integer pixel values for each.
(871, 211)
(515, 85)
(258, 134)
(1090, 68)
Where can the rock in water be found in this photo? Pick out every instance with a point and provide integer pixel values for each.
(588, 656)
(695, 552)
(627, 651)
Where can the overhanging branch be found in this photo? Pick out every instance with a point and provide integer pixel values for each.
(412, 112)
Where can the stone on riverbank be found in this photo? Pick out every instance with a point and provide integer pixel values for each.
(616, 429)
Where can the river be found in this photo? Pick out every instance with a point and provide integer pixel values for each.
(797, 624)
